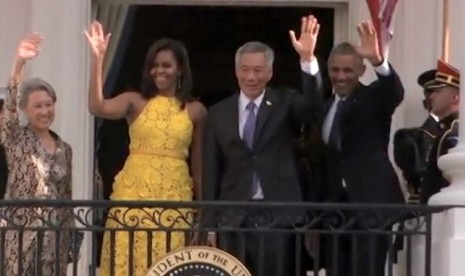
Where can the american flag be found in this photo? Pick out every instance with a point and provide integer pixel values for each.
(381, 12)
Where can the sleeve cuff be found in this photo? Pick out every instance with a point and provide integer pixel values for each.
(383, 69)
(310, 67)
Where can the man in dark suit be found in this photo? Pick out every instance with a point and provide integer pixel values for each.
(249, 152)
(355, 125)
(445, 100)
(412, 145)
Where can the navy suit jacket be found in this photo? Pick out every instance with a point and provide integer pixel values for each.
(229, 164)
(363, 160)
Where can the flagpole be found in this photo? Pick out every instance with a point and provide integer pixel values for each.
(445, 30)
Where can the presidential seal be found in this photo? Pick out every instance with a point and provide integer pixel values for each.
(198, 261)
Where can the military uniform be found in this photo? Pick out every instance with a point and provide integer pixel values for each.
(412, 145)
(434, 180)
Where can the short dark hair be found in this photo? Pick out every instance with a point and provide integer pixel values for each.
(1, 104)
(148, 87)
(345, 48)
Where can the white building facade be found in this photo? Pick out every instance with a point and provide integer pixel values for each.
(64, 60)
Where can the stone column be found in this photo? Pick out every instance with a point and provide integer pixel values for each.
(64, 62)
(449, 227)
(453, 163)
(14, 24)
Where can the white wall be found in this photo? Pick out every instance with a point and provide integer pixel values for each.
(13, 23)
(63, 62)
(414, 49)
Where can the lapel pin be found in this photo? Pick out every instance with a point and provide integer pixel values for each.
(268, 103)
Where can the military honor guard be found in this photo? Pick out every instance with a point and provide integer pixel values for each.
(444, 104)
(412, 145)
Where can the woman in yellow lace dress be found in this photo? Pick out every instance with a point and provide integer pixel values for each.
(165, 127)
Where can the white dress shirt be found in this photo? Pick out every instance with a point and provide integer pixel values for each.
(435, 117)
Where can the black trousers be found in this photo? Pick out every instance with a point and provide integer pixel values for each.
(357, 254)
(263, 253)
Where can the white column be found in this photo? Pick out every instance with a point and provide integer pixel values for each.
(63, 62)
(415, 48)
(453, 163)
(409, 56)
(14, 23)
(448, 246)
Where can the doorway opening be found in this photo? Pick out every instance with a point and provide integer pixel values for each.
(212, 34)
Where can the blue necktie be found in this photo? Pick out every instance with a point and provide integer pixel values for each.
(249, 127)
(334, 139)
(248, 137)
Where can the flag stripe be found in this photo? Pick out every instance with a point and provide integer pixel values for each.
(388, 11)
(381, 12)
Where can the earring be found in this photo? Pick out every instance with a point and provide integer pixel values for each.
(179, 84)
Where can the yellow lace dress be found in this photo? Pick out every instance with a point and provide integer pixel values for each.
(156, 169)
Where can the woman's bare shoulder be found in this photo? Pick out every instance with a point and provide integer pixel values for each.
(197, 111)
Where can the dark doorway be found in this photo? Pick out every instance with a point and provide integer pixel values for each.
(212, 35)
